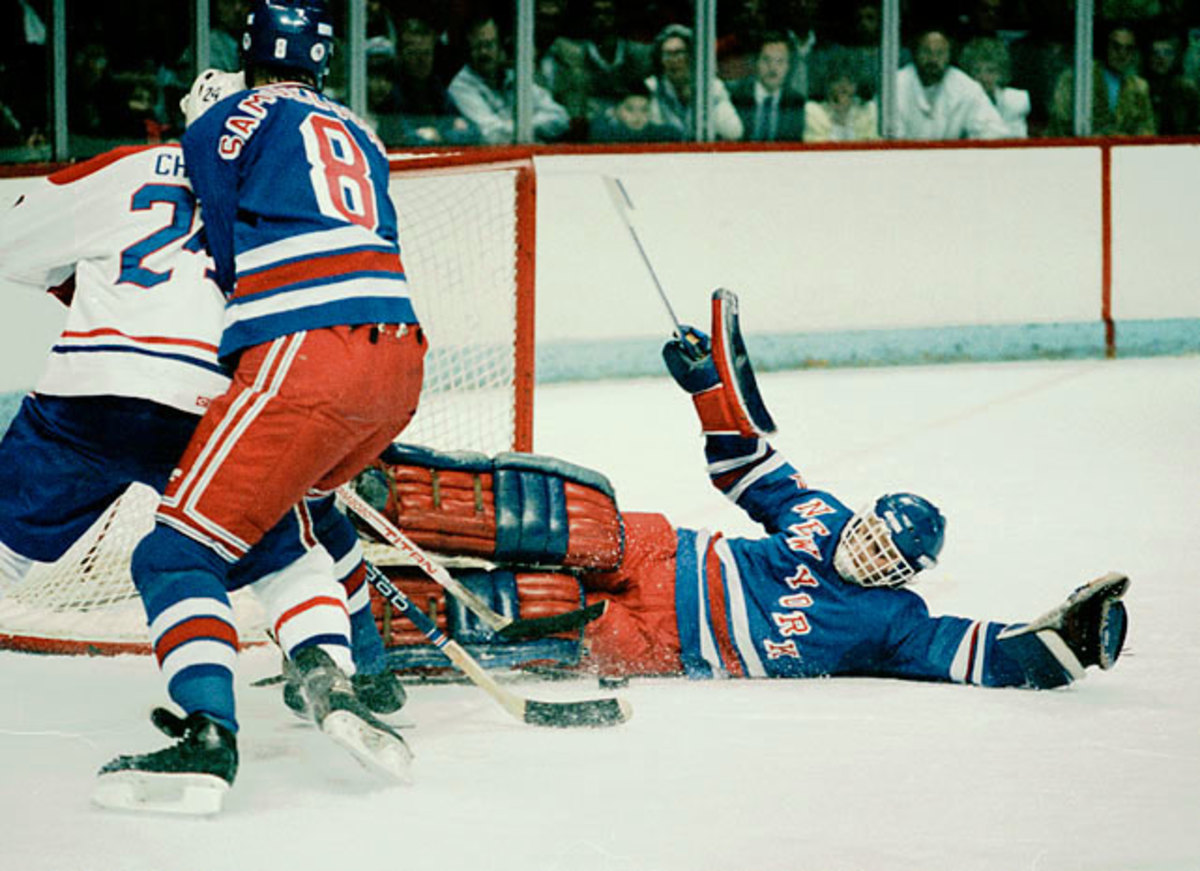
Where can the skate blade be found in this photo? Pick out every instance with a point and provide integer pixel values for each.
(373, 748)
(153, 792)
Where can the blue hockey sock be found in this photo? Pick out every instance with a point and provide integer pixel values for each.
(191, 621)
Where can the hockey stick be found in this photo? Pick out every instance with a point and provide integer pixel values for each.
(624, 207)
(589, 712)
(507, 628)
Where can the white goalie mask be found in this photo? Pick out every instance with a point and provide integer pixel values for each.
(210, 88)
(887, 543)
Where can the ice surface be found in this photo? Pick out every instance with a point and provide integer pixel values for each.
(1049, 473)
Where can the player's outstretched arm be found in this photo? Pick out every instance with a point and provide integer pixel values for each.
(1087, 629)
(718, 374)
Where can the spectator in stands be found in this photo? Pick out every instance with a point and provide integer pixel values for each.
(1120, 97)
(671, 88)
(769, 109)
(738, 41)
(628, 119)
(483, 90)
(107, 106)
(561, 64)
(799, 20)
(857, 41)
(611, 60)
(938, 101)
(1175, 98)
(416, 108)
(24, 83)
(383, 32)
(843, 116)
(224, 46)
(986, 61)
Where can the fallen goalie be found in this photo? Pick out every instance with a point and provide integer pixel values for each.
(823, 593)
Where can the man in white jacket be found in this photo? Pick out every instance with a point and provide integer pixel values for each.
(484, 91)
(938, 101)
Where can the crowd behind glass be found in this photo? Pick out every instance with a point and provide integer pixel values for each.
(620, 71)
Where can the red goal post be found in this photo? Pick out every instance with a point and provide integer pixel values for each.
(467, 232)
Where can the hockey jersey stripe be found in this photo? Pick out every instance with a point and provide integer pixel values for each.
(109, 332)
(309, 245)
(739, 615)
(968, 659)
(313, 270)
(718, 610)
(347, 291)
(771, 463)
(697, 651)
(737, 461)
(211, 366)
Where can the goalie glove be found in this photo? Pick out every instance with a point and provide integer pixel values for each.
(1088, 629)
(718, 374)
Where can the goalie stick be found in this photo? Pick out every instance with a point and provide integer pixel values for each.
(589, 712)
(624, 207)
(507, 628)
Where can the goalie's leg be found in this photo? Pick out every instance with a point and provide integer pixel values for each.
(1088, 629)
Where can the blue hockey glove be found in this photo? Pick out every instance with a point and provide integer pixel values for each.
(690, 362)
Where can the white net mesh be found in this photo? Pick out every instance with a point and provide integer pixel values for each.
(459, 246)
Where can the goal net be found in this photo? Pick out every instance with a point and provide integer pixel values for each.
(466, 233)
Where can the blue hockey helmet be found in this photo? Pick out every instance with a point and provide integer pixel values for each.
(890, 541)
(289, 35)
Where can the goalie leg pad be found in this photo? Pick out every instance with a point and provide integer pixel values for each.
(517, 593)
(515, 508)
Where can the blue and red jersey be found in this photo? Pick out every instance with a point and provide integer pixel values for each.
(294, 192)
(776, 607)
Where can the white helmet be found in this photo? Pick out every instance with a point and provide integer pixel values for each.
(210, 88)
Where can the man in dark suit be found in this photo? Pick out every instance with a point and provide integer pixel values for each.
(770, 111)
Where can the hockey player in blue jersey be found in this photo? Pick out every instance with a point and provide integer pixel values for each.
(125, 382)
(823, 593)
(326, 358)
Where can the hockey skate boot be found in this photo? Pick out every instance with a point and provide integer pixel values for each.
(382, 693)
(189, 777)
(1088, 629)
(328, 695)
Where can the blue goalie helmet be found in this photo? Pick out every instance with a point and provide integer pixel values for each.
(890, 541)
(289, 35)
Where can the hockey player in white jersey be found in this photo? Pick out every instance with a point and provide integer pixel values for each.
(119, 238)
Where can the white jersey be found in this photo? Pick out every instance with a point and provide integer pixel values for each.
(145, 319)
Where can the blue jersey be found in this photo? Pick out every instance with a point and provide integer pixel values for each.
(294, 192)
(776, 607)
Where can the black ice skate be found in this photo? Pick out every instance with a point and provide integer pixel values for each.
(189, 777)
(1088, 629)
(329, 696)
(382, 693)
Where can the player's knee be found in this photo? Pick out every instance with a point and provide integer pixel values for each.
(164, 554)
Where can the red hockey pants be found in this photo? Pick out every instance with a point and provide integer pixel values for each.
(303, 415)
